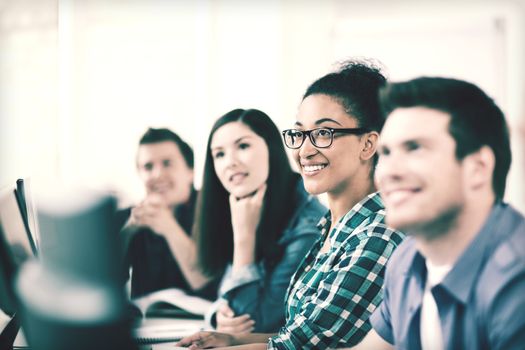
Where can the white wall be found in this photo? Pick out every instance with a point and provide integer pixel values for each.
(28, 89)
(82, 80)
(482, 42)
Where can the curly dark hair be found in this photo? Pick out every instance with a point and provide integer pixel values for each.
(355, 85)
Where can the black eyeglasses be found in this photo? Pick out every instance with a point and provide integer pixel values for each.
(320, 137)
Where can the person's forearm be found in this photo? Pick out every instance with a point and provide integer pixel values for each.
(243, 252)
(184, 251)
(253, 338)
(261, 346)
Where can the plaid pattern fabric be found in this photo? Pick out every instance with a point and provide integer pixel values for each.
(332, 295)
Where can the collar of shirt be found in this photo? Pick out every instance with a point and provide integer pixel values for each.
(461, 279)
(359, 214)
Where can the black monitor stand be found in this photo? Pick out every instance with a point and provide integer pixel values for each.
(9, 333)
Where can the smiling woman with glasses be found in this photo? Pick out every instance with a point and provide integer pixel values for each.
(339, 282)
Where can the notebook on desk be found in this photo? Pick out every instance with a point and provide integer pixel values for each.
(171, 331)
(169, 315)
(172, 302)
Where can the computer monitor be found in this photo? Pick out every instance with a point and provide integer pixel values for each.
(79, 261)
(16, 246)
(15, 228)
(28, 210)
(7, 273)
(7, 299)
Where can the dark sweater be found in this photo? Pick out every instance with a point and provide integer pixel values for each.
(150, 257)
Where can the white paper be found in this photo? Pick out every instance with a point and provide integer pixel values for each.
(175, 297)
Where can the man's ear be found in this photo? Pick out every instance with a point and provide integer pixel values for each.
(369, 143)
(479, 167)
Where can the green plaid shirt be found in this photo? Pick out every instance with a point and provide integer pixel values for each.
(332, 294)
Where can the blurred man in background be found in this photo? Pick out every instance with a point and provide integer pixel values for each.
(160, 251)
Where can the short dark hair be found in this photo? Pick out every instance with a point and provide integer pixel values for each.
(355, 85)
(475, 119)
(213, 229)
(153, 135)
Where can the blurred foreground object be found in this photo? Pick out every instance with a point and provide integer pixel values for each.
(72, 298)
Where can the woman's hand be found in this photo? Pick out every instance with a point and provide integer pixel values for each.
(246, 214)
(203, 340)
(227, 322)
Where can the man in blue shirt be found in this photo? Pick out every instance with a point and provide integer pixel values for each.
(459, 281)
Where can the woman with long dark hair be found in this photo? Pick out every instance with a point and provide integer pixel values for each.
(254, 221)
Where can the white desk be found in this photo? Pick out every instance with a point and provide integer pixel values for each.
(148, 326)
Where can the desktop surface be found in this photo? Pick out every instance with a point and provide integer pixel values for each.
(153, 328)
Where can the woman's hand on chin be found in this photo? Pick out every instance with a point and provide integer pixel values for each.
(246, 214)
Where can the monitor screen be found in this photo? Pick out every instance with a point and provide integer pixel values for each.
(15, 229)
(27, 208)
(15, 246)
